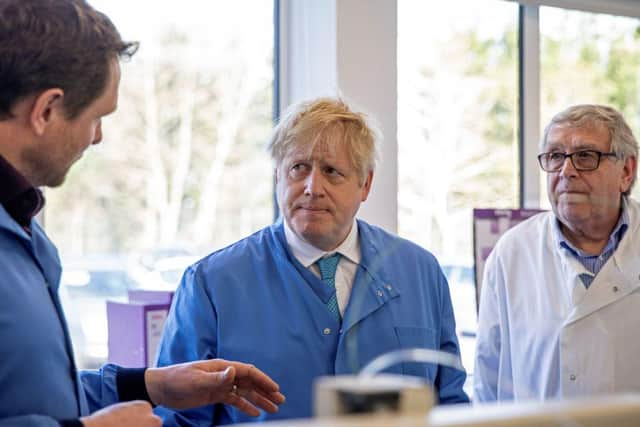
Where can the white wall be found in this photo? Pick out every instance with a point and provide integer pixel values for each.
(348, 48)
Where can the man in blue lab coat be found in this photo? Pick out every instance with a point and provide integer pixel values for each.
(59, 75)
(318, 292)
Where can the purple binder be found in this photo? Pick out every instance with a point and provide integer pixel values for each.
(147, 296)
(488, 226)
(135, 329)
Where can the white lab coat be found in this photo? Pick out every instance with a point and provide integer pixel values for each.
(541, 334)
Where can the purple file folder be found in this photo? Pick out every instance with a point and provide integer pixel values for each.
(135, 329)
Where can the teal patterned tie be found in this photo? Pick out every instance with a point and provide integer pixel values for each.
(328, 268)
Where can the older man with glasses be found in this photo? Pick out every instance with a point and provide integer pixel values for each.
(560, 304)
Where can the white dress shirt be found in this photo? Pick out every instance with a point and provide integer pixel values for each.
(308, 254)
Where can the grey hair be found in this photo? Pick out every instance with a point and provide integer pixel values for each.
(623, 142)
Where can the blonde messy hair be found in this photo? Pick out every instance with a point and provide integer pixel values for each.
(309, 122)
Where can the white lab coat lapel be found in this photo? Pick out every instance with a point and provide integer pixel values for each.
(614, 281)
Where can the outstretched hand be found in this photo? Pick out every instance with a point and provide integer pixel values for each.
(204, 382)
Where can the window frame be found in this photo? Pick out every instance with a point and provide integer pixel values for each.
(324, 48)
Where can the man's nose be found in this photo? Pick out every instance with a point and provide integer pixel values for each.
(567, 168)
(314, 183)
(97, 137)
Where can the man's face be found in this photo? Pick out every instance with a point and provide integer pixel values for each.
(319, 192)
(586, 197)
(67, 140)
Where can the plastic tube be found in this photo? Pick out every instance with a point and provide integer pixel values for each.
(421, 355)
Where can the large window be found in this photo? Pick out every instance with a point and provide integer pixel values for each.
(461, 136)
(457, 132)
(182, 169)
(589, 58)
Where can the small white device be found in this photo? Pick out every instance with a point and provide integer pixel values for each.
(351, 394)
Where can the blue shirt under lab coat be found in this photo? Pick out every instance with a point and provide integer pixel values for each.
(38, 379)
(254, 302)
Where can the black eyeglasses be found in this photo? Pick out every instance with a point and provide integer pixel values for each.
(584, 160)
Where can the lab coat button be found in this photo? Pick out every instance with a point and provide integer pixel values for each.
(379, 293)
(572, 377)
(327, 331)
(615, 289)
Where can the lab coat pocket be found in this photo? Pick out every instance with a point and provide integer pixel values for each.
(418, 337)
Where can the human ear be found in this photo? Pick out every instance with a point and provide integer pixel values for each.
(44, 109)
(366, 187)
(628, 172)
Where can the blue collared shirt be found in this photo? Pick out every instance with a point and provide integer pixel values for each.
(594, 263)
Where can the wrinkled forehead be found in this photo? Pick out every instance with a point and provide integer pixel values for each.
(589, 134)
